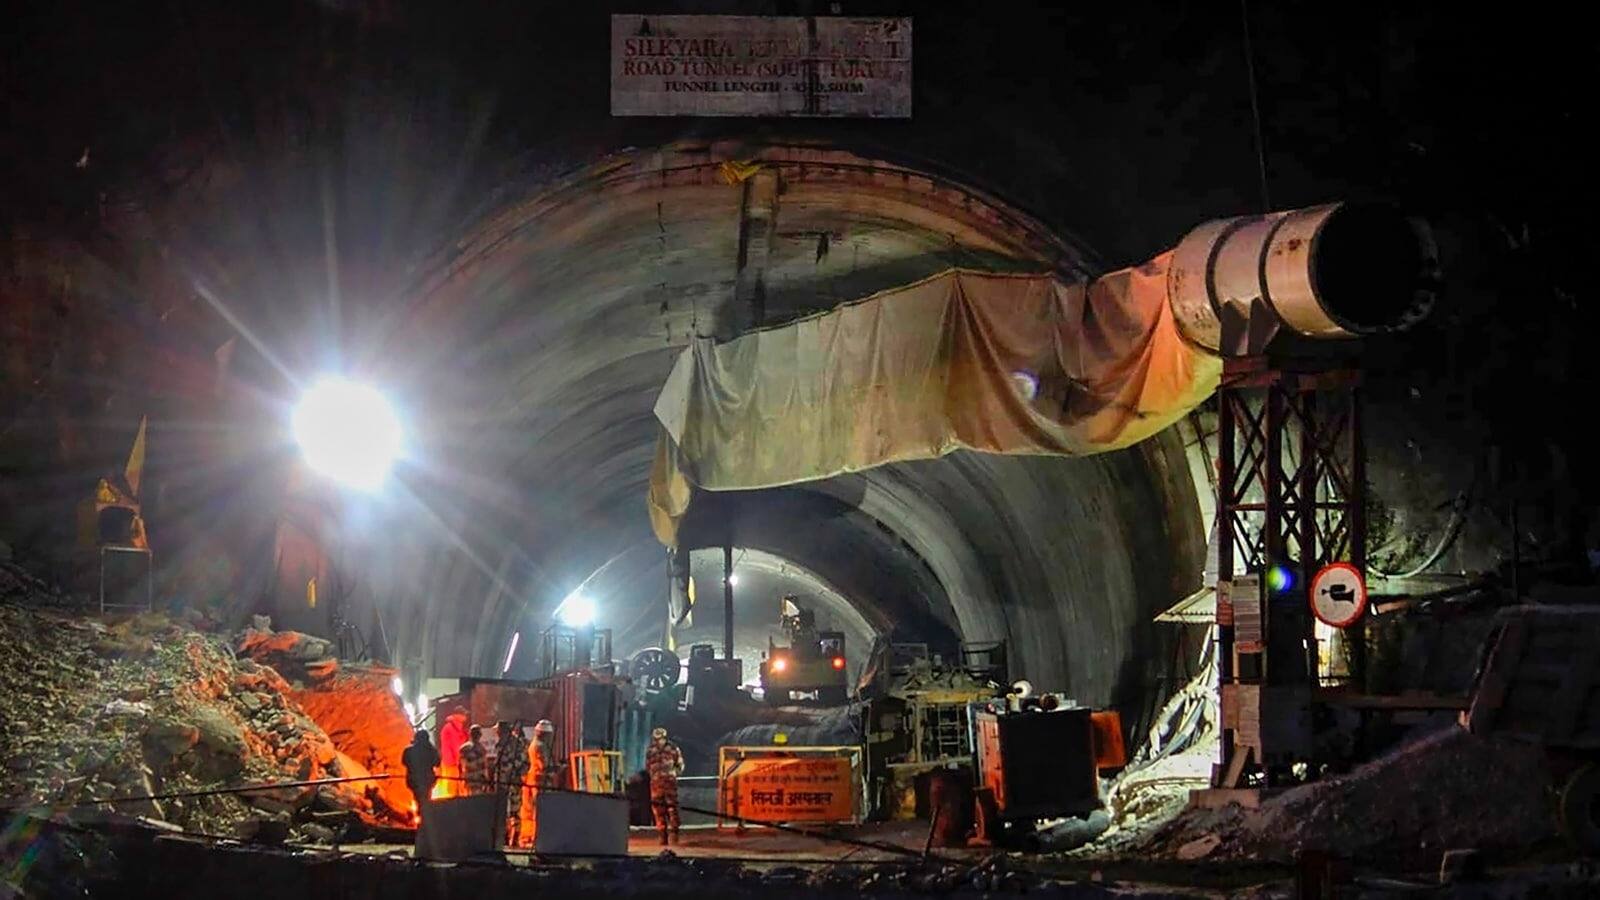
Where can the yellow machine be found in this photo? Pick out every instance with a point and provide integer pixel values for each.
(920, 723)
(813, 665)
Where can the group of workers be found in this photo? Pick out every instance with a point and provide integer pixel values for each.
(515, 765)
(522, 768)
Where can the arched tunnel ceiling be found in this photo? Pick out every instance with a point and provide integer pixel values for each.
(537, 344)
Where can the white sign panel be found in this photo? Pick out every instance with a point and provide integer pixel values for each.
(1338, 595)
(1249, 630)
(760, 66)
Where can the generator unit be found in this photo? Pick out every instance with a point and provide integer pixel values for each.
(1034, 763)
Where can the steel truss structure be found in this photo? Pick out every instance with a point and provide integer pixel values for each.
(1291, 471)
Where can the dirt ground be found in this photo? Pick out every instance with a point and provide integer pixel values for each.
(1444, 789)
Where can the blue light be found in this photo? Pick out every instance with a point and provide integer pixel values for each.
(1280, 579)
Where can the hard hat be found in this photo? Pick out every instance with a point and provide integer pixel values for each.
(659, 734)
(544, 725)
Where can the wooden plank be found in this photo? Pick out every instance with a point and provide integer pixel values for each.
(1230, 778)
(1217, 798)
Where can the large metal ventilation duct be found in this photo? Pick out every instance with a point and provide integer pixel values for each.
(1325, 272)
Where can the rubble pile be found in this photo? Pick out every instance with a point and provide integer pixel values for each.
(354, 703)
(1446, 789)
(1141, 802)
(991, 875)
(142, 705)
(18, 585)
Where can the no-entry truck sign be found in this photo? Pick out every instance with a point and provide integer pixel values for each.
(1338, 595)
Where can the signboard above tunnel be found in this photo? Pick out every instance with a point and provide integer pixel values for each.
(761, 66)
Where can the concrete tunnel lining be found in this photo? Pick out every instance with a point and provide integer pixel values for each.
(570, 305)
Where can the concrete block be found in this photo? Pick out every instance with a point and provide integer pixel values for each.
(590, 824)
(460, 828)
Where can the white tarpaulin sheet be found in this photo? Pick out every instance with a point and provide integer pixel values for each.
(998, 363)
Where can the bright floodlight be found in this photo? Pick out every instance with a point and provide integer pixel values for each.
(348, 432)
(733, 581)
(576, 611)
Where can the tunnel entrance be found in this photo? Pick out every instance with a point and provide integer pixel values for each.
(760, 581)
(572, 301)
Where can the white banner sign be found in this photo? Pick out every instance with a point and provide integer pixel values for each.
(760, 66)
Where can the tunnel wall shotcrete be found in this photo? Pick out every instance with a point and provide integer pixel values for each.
(1074, 558)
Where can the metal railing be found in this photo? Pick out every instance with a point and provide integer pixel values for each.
(149, 578)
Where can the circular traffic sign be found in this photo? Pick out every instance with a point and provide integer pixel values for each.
(1338, 595)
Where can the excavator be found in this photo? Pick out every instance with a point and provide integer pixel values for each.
(812, 664)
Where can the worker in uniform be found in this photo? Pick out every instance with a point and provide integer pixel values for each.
(420, 759)
(451, 736)
(541, 773)
(664, 762)
(543, 768)
(510, 765)
(474, 763)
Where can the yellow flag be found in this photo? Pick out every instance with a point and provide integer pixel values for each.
(135, 468)
(735, 171)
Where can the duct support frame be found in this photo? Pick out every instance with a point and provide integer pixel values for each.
(1290, 491)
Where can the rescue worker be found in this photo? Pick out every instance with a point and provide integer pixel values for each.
(541, 772)
(474, 763)
(542, 764)
(420, 759)
(451, 736)
(664, 762)
(510, 765)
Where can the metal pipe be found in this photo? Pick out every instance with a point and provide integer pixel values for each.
(1358, 536)
(727, 598)
(1326, 272)
(238, 789)
(1227, 495)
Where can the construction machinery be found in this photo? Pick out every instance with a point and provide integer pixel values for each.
(1033, 761)
(918, 723)
(1539, 683)
(655, 669)
(709, 676)
(567, 648)
(951, 742)
(812, 666)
